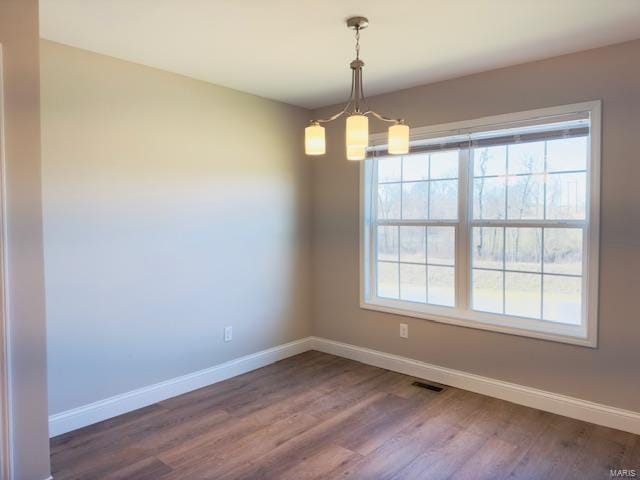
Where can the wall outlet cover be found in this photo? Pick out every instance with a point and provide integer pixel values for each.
(404, 330)
(228, 334)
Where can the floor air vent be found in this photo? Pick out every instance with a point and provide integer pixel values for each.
(428, 386)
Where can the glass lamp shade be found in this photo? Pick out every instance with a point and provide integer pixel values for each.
(356, 152)
(398, 139)
(357, 131)
(314, 140)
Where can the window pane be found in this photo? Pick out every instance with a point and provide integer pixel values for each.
(567, 154)
(489, 161)
(566, 196)
(389, 201)
(388, 243)
(388, 280)
(443, 200)
(563, 250)
(413, 283)
(441, 244)
(413, 244)
(444, 164)
(526, 158)
(441, 286)
(415, 200)
(487, 291)
(488, 247)
(562, 299)
(523, 249)
(522, 294)
(389, 169)
(489, 198)
(415, 167)
(525, 197)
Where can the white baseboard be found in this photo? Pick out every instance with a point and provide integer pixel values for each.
(79, 417)
(531, 397)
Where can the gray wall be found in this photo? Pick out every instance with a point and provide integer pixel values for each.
(608, 374)
(172, 208)
(25, 295)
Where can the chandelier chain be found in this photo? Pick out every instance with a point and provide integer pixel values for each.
(357, 43)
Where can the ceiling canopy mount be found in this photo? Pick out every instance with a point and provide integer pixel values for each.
(357, 23)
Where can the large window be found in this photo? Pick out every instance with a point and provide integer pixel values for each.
(491, 223)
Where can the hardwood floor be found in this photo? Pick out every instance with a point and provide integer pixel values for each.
(316, 416)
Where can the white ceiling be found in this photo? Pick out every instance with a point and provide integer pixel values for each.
(298, 51)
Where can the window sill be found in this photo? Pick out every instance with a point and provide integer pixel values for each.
(556, 332)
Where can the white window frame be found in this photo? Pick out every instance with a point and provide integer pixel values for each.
(585, 334)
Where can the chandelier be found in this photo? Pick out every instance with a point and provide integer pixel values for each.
(358, 112)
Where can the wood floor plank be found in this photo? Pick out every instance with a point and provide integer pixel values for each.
(316, 416)
(443, 458)
(328, 405)
(603, 451)
(492, 461)
(146, 469)
(397, 413)
(553, 453)
(113, 426)
(326, 463)
(631, 457)
(217, 459)
(98, 465)
(329, 431)
(403, 448)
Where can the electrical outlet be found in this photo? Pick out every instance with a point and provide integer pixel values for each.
(404, 330)
(228, 334)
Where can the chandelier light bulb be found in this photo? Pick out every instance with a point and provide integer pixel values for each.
(314, 139)
(357, 131)
(398, 142)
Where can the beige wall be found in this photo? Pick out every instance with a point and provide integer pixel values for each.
(608, 374)
(25, 294)
(172, 208)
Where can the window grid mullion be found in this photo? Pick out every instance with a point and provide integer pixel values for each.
(398, 260)
(504, 272)
(504, 231)
(429, 187)
(544, 215)
(542, 271)
(401, 194)
(506, 183)
(417, 223)
(426, 260)
(374, 233)
(509, 270)
(462, 231)
(530, 224)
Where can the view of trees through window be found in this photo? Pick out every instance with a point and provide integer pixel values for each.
(529, 271)
(525, 226)
(416, 261)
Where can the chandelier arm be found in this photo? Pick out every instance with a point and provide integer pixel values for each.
(336, 116)
(383, 118)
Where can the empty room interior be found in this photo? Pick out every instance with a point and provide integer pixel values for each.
(282, 239)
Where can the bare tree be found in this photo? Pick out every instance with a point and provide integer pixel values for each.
(529, 165)
(483, 159)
